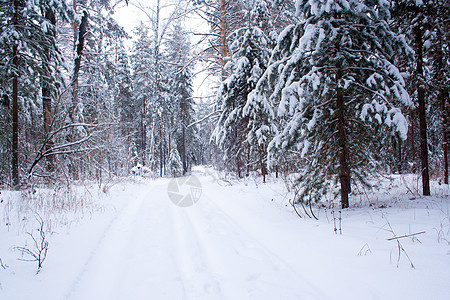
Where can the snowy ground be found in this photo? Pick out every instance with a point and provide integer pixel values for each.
(239, 241)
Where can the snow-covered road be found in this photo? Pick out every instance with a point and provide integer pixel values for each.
(238, 242)
(154, 249)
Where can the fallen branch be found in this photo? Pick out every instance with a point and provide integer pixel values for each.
(399, 245)
(406, 235)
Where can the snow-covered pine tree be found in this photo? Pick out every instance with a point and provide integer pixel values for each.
(142, 63)
(249, 55)
(29, 56)
(175, 164)
(124, 103)
(337, 90)
(179, 61)
(256, 47)
(155, 95)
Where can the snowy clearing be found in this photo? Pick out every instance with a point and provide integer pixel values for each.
(239, 241)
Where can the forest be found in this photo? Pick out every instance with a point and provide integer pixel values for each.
(328, 94)
(224, 149)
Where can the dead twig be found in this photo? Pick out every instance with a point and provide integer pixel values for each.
(293, 204)
(399, 245)
(39, 253)
(364, 250)
(4, 266)
(406, 235)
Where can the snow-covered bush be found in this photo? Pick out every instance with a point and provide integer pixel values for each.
(175, 164)
(140, 170)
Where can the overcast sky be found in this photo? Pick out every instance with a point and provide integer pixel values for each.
(128, 16)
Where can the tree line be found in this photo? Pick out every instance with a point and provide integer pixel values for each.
(76, 104)
(345, 91)
(329, 93)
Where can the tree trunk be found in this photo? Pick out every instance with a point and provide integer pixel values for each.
(161, 158)
(47, 99)
(238, 166)
(75, 25)
(412, 136)
(248, 161)
(82, 30)
(15, 104)
(143, 144)
(443, 97)
(445, 125)
(344, 172)
(263, 164)
(223, 36)
(400, 158)
(422, 117)
(183, 136)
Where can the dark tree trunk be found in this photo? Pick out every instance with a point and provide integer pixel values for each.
(47, 98)
(143, 143)
(413, 140)
(247, 173)
(79, 43)
(445, 126)
(263, 165)
(443, 97)
(422, 117)
(238, 151)
(344, 171)
(238, 166)
(82, 30)
(183, 136)
(161, 154)
(15, 105)
(400, 158)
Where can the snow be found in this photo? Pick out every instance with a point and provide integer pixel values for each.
(242, 240)
(399, 121)
(307, 38)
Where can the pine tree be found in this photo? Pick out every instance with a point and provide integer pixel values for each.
(180, 86)
(336, 88)
(255, 46)
(249, 55)
(142, 61)
(175, 164)
(124, 103)
(29, 56)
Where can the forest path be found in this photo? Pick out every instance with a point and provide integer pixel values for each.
(154, 249)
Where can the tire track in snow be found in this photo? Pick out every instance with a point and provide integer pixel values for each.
(130, 259)
(151, 271)
(265, 267)
(120, 216)
(198, 278)
(153, 249)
